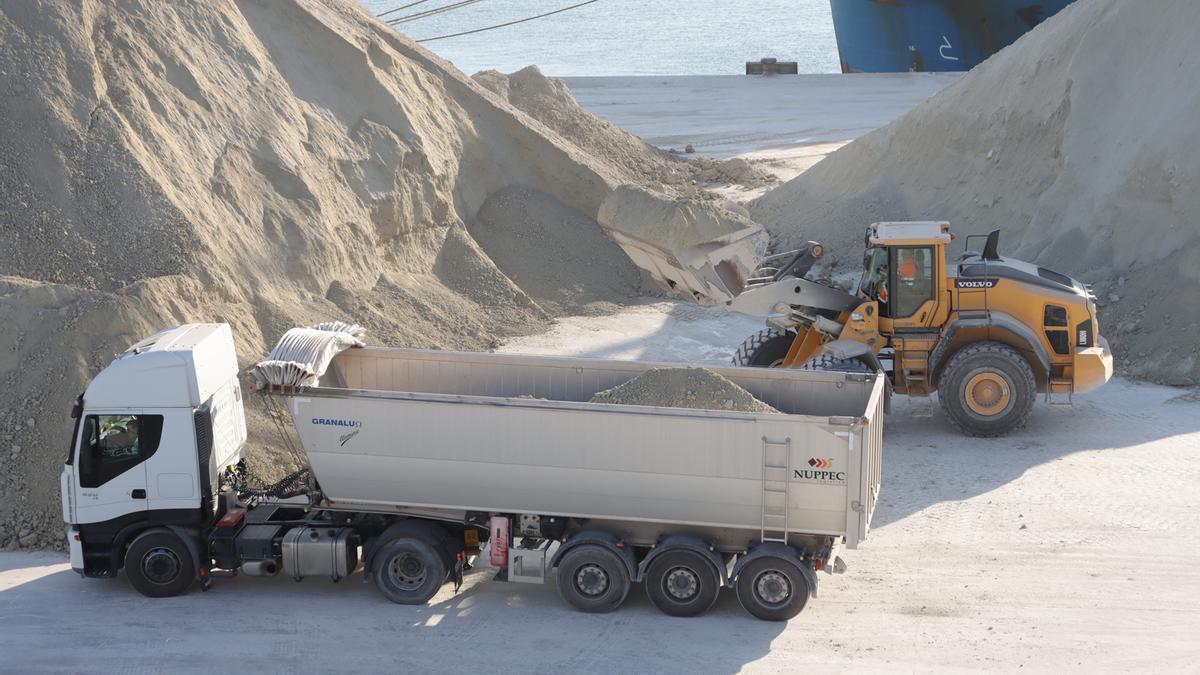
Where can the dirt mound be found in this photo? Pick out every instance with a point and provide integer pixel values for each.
(267, 164)
(549, 101)
(1078, 142)
(697, 388)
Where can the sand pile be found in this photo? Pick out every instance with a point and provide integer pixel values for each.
(267, 164)
(672, 223)
(1079, 142)
(549, 101)
(697, 388)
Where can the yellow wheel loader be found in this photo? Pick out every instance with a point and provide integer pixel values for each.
(987, 333)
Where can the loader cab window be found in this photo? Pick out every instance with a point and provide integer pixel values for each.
(113, 444)
(912, 280)
(874, 283)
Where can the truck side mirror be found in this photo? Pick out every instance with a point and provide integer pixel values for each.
(77, 408)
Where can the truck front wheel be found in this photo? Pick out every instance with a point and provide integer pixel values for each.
(159, 565)
(408, 571)
(987, 389)
(593, 579)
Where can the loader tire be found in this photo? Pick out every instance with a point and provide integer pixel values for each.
(765, 349)
(987, 389)
(826, 363)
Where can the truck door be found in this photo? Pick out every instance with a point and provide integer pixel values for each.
(110, 463)
(171, 473)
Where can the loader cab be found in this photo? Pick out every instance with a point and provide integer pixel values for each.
(904, 270)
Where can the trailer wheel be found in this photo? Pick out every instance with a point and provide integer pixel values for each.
(593, 579)
(159, 565)
(987, 389)
(682, 583)
(765, 349)
(772, 588)
(408, 571)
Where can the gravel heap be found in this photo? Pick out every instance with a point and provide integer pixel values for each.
(697, 388)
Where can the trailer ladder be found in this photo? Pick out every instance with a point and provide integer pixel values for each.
(776, 472)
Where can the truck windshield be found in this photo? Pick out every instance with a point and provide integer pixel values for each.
(874, 278)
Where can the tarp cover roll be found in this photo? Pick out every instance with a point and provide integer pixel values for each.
(303, 354)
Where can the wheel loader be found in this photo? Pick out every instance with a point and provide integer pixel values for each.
(986, 333)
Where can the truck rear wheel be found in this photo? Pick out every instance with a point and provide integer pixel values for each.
(987, 389)
(772, 588)
(765, 349)
(682, 583)
(593, 579)
(408, 571)
(159, 565)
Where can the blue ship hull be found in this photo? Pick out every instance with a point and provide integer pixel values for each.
(888, 36)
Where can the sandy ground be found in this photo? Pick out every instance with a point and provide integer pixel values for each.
(1069, 546)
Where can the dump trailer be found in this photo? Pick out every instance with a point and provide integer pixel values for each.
(419, 460)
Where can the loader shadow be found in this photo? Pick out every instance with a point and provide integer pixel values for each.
(926, 461)
(275, 624)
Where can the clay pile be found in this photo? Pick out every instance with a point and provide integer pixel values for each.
(697, 388)
(1078, 142)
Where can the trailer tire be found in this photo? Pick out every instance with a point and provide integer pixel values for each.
(408, 571)
(682, 583)
(765, 349)
(593, 579)
(987, 389)
(159, 564)
(772, 588)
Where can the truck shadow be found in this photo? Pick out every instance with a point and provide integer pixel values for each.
(275, 624)
(926, 461)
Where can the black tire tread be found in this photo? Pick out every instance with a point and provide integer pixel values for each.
(703, 600)
(1025, 380)
(140, 546)
(434, 562)
(745, 355)
(620, 582)
(799, 583)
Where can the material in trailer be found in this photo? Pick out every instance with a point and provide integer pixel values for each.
(419, 459)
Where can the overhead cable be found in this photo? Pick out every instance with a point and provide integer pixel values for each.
(508, 23)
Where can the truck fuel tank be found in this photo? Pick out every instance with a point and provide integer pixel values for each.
(320, 551)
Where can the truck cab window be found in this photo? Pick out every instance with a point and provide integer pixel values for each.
(113, 444)
(913, 285)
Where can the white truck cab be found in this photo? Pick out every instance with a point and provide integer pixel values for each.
(152, 432)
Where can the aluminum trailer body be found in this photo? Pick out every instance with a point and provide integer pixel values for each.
(400, 428)
(422, 459)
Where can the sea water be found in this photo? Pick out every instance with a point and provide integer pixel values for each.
(627, 37)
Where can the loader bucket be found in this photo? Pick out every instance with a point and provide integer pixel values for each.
(702, 252)
(710, 273)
